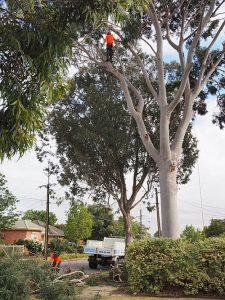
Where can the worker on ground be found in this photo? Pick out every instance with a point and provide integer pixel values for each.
(110, 41)
(56, 261)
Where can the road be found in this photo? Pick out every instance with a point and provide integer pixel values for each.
(78, 264)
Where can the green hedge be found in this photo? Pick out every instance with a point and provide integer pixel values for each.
(159, 265)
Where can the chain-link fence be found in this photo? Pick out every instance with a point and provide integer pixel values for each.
(11, 250)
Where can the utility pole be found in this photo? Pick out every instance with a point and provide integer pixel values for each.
(157, 211)
(47, 219)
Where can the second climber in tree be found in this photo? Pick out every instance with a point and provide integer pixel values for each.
(110, 41)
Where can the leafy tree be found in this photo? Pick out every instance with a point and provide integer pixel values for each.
(191, 234)
(102, 217)
(100, 155)
(35, 49)
(193, 29)
(40, 215)
(79, 223)
(215, 228)
(8, 211)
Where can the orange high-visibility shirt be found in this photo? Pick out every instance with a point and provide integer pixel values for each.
(109, 39)
(56, 259)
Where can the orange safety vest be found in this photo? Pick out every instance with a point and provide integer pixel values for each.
(109, 39)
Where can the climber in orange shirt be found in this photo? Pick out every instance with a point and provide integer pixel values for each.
(110, 41)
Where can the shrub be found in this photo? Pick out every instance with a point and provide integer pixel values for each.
(61, 246)
(33, 247)
(161, 264)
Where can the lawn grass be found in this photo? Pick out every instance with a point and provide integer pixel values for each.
(69, 256)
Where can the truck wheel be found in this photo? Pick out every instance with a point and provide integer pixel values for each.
(92, 265)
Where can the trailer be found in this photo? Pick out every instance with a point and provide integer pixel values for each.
(108, 252)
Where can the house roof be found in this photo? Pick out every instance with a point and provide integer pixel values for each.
(26, 225)
(52, 230)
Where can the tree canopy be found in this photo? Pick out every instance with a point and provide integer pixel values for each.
(40, 215)
(102, 217)
(8, 210)
(215, 228)
(35, 50)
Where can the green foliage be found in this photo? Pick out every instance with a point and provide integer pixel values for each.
(8, 213)
(102, 221)
(79, 223)
(33, 247)
(192, 268)
(40, 215)
(18, 278)
(61, 246)
(138, 232)
(216, 228)
(35, 52)
(191, 234)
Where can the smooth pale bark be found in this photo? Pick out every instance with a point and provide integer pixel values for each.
(128, 227)
(168, 196)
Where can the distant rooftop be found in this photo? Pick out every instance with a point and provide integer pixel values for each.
(26, 225)
(52, 230)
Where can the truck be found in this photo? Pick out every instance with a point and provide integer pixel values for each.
(108, 252)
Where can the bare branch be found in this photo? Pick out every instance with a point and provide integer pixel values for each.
(145, 74)
(159, 56)
(206, 57)
(153, 50)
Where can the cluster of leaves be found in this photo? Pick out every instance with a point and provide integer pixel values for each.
(19, 278)
(64, 246)
(138, 231)
(34, 52)
(103, 218)
(215, 228)
(158, 265)
(39, 215)
(191, 234)
(33, 247)
(8, 212)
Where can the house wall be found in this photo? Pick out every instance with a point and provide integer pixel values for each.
(10, 236)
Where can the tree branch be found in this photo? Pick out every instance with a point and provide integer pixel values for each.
(159, 55)
(145, 74)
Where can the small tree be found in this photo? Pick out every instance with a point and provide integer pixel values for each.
(191, 234)
(8, 213)
(40, 215)
(216, 228)
(79, 223)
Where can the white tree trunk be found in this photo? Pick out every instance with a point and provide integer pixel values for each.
(168, 195)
